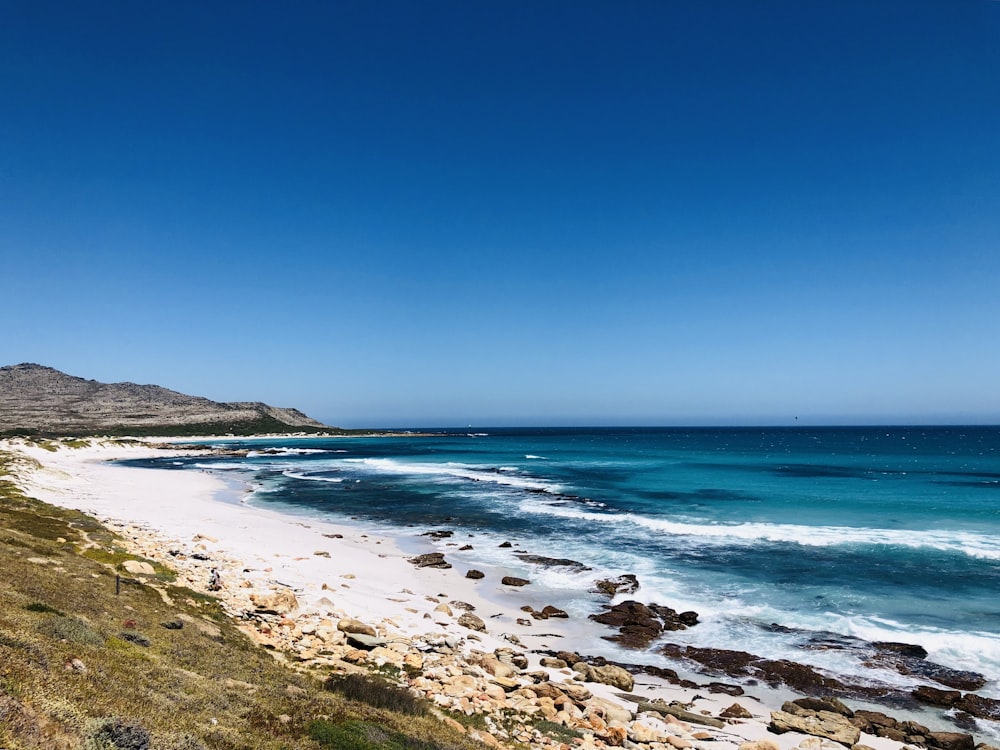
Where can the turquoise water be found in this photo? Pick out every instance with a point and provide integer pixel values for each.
(879, 533)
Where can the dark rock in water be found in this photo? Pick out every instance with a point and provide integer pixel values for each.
(554, 562)
(937, 697)
(911, 650)
(957, 679)
(505, 545)
(871, 722)
(465, 548)
(514, 581)
(980, 707)
(438, 534)
(430, 560)
(733, 663)
(688, 618)
(951, 741)
(623, 584)
(475, 574)
(772, 671)
(549, 611)
(797, 676)
(639, 625)
(722, 687)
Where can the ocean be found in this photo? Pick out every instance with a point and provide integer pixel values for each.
(880, 534)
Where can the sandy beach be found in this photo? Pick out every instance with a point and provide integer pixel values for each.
(329, 596)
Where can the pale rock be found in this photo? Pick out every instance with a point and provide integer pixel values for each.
(138, 568)
(350, 625)
(607, 675)
(381, 655)
(445, 609)
(460, 685)
(647, 729)
(610, 710)
(450, 722)
(486, 738)
(472, 622)
(280, 602)
(759, 745)
(817, 723)
(679, 742)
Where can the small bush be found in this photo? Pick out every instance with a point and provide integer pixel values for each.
(117, 734)
(71, 629)
(40, 607)
(377, 693)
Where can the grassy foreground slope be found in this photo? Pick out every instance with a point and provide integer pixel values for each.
(158, 666)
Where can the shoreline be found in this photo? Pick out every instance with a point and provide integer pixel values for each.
(196, 524)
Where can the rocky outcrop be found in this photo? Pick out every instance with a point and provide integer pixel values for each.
(41, 400)
(774, 672)
(640, 624)
(554, 562)
(430, 560)
(826, 724)
(623, 584)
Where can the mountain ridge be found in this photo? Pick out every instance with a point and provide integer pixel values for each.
(37, 399)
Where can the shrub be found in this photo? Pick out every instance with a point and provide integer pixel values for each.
(377, 693)
(71, 629)
(40, 607)
(117, 734)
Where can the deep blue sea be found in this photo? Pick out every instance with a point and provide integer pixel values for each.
(880, 533)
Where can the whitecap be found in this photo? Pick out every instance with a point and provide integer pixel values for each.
(969, 543)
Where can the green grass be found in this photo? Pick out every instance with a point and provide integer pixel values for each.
(74, 675)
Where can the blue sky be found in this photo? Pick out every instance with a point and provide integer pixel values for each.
(451, 213)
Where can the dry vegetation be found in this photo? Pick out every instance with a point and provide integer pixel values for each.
(158, 667)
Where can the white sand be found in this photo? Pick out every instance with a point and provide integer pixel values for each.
(365, 576)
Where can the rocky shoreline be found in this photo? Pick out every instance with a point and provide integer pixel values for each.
(466, 660)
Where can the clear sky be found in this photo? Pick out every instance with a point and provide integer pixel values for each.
(520, 212)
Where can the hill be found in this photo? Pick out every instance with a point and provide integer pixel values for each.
(40, 400)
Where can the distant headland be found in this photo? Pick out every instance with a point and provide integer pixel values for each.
(39, 400)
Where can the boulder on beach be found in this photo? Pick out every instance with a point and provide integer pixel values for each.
(280, 602)
(351, 626)
(430, 560)
(472, 622)
(824, 724)
(609, 674)
(475, 574)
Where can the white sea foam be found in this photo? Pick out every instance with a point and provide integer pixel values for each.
(966, 542)
(310, 477)
(450, 471)
(225, 466)
(535, 458)
(287, 452)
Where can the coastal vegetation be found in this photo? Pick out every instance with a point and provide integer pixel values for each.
(157, 666)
